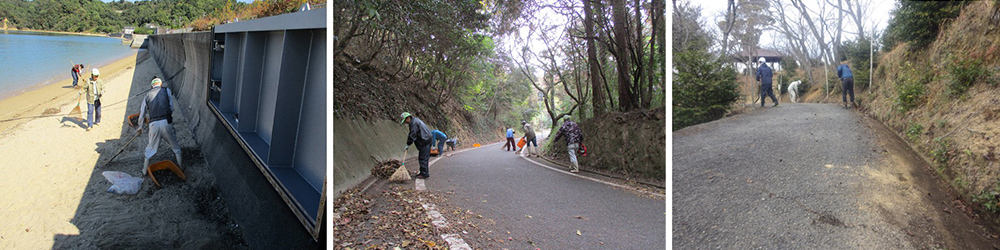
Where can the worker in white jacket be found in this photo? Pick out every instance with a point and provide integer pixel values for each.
(793, 89)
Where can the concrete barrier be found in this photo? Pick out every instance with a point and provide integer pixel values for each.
(263, 217)
(356, 142)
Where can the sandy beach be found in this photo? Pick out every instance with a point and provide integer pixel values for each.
(54, 196)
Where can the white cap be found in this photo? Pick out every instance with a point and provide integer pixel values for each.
(95, 72)
(156, 82)
(761, 60)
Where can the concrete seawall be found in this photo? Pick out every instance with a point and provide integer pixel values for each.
(264, 219)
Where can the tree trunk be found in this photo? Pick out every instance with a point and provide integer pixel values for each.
(730, 19)
(595, 68)
(618, 12)
(656, 16)
(639, 55)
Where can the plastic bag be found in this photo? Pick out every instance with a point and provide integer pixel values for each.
(122, 183)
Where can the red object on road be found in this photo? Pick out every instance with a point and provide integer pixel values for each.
(583, 149)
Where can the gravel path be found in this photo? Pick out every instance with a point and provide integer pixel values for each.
(807, 176)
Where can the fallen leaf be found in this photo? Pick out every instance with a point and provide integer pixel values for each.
(405, 243)
(527, 216)
(578, 232)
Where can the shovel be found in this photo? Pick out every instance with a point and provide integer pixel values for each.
(401, 174)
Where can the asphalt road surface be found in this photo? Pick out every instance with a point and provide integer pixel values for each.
(547, 207)
(806, 176)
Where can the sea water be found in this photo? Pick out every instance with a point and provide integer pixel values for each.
(29, 59)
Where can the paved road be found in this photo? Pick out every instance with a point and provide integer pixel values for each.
(802, 176)
(513, 187)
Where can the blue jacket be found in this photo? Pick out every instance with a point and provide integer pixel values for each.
(510, 133)
(439, 135)
(844, 72)
(764, 74)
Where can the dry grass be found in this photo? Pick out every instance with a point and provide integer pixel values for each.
(967, 122)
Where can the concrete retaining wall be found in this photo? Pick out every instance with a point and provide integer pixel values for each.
(264, 218)
(356, 142)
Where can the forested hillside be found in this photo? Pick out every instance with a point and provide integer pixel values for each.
(95, 16)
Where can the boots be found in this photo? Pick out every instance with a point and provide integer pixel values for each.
(145, 166)
(180, 160)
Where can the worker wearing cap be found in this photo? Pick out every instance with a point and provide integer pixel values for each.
(158, 105)
(420, 135)
(764, 75)
(94, 88)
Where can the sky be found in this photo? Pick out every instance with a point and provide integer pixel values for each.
(713, 10)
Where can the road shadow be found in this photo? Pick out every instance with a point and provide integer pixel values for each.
(180, 214)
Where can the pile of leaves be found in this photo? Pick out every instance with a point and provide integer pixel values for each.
(392, 218)
(384, 169)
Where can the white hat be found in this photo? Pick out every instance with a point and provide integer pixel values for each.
(761, 60)
(156, 82)
(95, 72)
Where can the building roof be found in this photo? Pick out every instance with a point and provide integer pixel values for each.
(770, 55)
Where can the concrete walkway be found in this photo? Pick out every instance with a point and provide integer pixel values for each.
(806, 176)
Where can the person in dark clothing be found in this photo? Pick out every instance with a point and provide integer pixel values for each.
(764, 75)
(421, 136)
(158, 106)
(846, 83)
(574, 137)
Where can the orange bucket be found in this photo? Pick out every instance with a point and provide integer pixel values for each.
(164, 165)
(520, 143)
(476, 145)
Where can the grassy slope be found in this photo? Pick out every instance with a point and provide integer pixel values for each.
(959, 134)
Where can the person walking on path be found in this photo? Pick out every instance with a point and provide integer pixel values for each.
(421, 136)
(94, 88)
(437, 139)
(529, 139)
(158, 105)
(764, 75)
(846, 82)
(510, 140)
(574, 137)
(75, 72)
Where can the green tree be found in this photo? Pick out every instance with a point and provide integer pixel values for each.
(918, 22)
(704, 87)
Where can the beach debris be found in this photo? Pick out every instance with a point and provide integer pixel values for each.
(122, 183)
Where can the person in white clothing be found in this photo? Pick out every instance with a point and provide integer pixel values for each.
(793, 89)
(158, 105)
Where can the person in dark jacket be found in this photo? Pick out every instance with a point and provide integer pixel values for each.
(764, 75)
(574, 137)
(421, 136)
(846, 82)
(158, 105)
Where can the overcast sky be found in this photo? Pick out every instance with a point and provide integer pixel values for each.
(713, 10)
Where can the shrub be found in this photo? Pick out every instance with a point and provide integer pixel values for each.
(910, 93)
(989, 198)
(704, 88)
(913, 131)
(964, 73)
(941, 152)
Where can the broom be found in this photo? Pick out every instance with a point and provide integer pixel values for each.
(401, 174)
